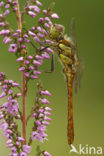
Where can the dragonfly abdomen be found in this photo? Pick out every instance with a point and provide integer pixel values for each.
(70, 125)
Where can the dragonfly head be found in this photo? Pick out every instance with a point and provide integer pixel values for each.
(56, 31)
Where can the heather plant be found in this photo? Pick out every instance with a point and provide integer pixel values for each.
(19, 41)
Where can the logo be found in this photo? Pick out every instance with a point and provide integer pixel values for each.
(86, 150)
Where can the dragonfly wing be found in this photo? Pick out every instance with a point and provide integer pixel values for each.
(72, 31)
(73, 37)
(78, 75)
(80, 66)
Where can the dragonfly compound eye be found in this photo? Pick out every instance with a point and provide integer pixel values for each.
(56, 31)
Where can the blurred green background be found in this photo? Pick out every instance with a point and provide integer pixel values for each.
(89, 102)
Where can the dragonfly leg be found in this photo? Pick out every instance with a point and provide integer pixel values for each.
(40, 50)
(33, 45)
(52, 66)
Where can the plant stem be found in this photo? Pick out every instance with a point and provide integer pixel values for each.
(24, 108)
(23, 80)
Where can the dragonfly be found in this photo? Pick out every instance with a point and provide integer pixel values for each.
(66, 49)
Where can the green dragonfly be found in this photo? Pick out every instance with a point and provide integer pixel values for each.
(66, 49)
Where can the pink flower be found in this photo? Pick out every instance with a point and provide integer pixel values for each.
(41, 19)
(41, 110)
(23, 154)
(25, 36)
(49, 50)
(27, 62)
(34, 77)
(15, 35)
(23, 46)
(2, 24)
(45, 56)
(22, 69)
(34, 115)
(46, 92)
(32, 28)
(21, 139)
(47, 19)
(36, 72)
(48, 109)
(14, 84)
(54, 15)
(18, 31)
(39, 29)
(47, 113)
(41, 128)
(44, 12)
(4, 32)
(36, 9)
(36, 136)
(45, 32)
(14, 149)
(20, 39)
(27, 74)
(39, 57)
(46, 123)
(13, 48)
(35, 62)
(46, 25)
(10, 92)
(32, 14)
(31, 33)
(7, 40)
(30, 57)
(31, 67)
(17, 143)
(13, 154)
(31, 7)
(38, 3)
(38, 123)
(37, 39)
(9, 141)
(6, 12)
(1, 115)
(4, 125)
(47, 118)
(11, 106)
(20, 59)
(26, 148)
(7, 6)
(1, 4)
(44, 101)
(2, 94)
(40, 35)
(46, 153)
